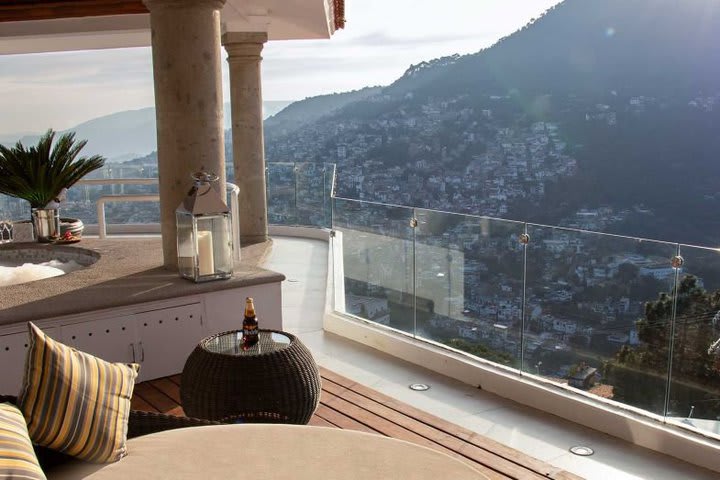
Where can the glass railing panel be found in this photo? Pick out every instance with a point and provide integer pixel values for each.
(694, 398)
(469, 284)
(122, 213)
(82, 201)
(586, 324)
(14, 209)
(329, 192)
(281, 193)
(310, 185)
(126, 170)
(376, 242)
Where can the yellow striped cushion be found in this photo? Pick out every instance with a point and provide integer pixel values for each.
(17, 457)
(74, 402)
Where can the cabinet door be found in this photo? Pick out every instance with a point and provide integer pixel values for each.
(111, 339)
(13, 349)
(166, 338)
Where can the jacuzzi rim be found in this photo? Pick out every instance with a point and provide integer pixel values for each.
(75, 251)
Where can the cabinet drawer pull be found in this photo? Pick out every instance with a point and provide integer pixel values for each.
(142, 352)
(132, 346)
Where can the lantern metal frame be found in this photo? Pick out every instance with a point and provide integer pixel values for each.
(204, 232)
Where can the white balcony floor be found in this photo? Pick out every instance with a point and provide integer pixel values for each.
(535, 433)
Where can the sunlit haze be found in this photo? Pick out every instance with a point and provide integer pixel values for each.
(381, 39)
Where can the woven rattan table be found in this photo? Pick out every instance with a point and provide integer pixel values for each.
(275, 381)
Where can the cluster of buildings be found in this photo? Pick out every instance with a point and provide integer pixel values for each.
(437, 154)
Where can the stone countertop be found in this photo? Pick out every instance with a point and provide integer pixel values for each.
(129, 271)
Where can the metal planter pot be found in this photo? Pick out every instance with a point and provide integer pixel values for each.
(72, 225)
(46, 222)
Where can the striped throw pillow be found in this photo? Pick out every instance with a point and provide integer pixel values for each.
(17, 457)
(74, 402)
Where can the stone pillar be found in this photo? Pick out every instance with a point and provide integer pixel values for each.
(188, 102)
(244, 58)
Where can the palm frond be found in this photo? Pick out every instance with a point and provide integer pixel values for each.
(39, 173)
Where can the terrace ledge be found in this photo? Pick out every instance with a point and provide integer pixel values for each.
(128, 272)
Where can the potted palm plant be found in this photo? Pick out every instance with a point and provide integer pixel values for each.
(41, 173)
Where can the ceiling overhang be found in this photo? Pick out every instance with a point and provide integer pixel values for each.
(62, 25)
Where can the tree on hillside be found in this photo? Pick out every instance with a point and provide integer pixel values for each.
(695, 372)
(694, 332)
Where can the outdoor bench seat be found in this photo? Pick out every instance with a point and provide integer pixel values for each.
(139, 424)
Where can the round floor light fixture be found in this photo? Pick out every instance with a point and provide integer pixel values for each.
(419, 387)
(582, 450)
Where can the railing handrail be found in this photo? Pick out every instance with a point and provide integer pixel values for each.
(521, 222)
(118, 181)
(334, 196)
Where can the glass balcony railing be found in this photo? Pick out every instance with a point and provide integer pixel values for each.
(300, 193)
(297, 194)
(378, 251)
(123, 198)
(469, 275)
(119, 182)
(628, 320)
(584, 293)
(693, 396)
(110, 181)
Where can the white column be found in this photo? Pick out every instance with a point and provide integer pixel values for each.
(188, 102)
(244, 58)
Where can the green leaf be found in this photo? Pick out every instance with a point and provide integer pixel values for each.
(39, 173)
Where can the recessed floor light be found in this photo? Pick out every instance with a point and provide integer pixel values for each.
(419, 387)
(582, 450)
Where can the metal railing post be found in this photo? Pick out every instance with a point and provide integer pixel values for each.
(234, 218)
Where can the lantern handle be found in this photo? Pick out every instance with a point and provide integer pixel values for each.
(204, 177)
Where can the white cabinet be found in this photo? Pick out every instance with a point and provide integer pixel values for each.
(113, 339)
(13, 349)
(166, 338)
(157, 335)
(160, 340)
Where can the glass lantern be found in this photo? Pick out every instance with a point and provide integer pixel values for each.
(204, 232)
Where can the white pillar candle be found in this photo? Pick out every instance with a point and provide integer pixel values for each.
(206, 262)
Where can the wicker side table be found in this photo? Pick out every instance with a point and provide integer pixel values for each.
(275, 381)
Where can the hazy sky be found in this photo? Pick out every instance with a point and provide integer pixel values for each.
(381, 39)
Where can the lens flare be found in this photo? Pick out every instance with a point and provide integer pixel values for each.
(610, 32)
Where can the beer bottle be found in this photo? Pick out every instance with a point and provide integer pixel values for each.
(250, 325)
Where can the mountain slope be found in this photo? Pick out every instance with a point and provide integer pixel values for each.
(594, 46)
(311, 109)
(598, 103)
(130, 133)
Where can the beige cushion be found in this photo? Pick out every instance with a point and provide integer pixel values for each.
(17, 457)
(260, 452)
(74, 402)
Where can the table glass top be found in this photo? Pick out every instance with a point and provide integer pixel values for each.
(231, 343)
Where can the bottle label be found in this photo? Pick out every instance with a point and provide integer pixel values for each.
(250, 330)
